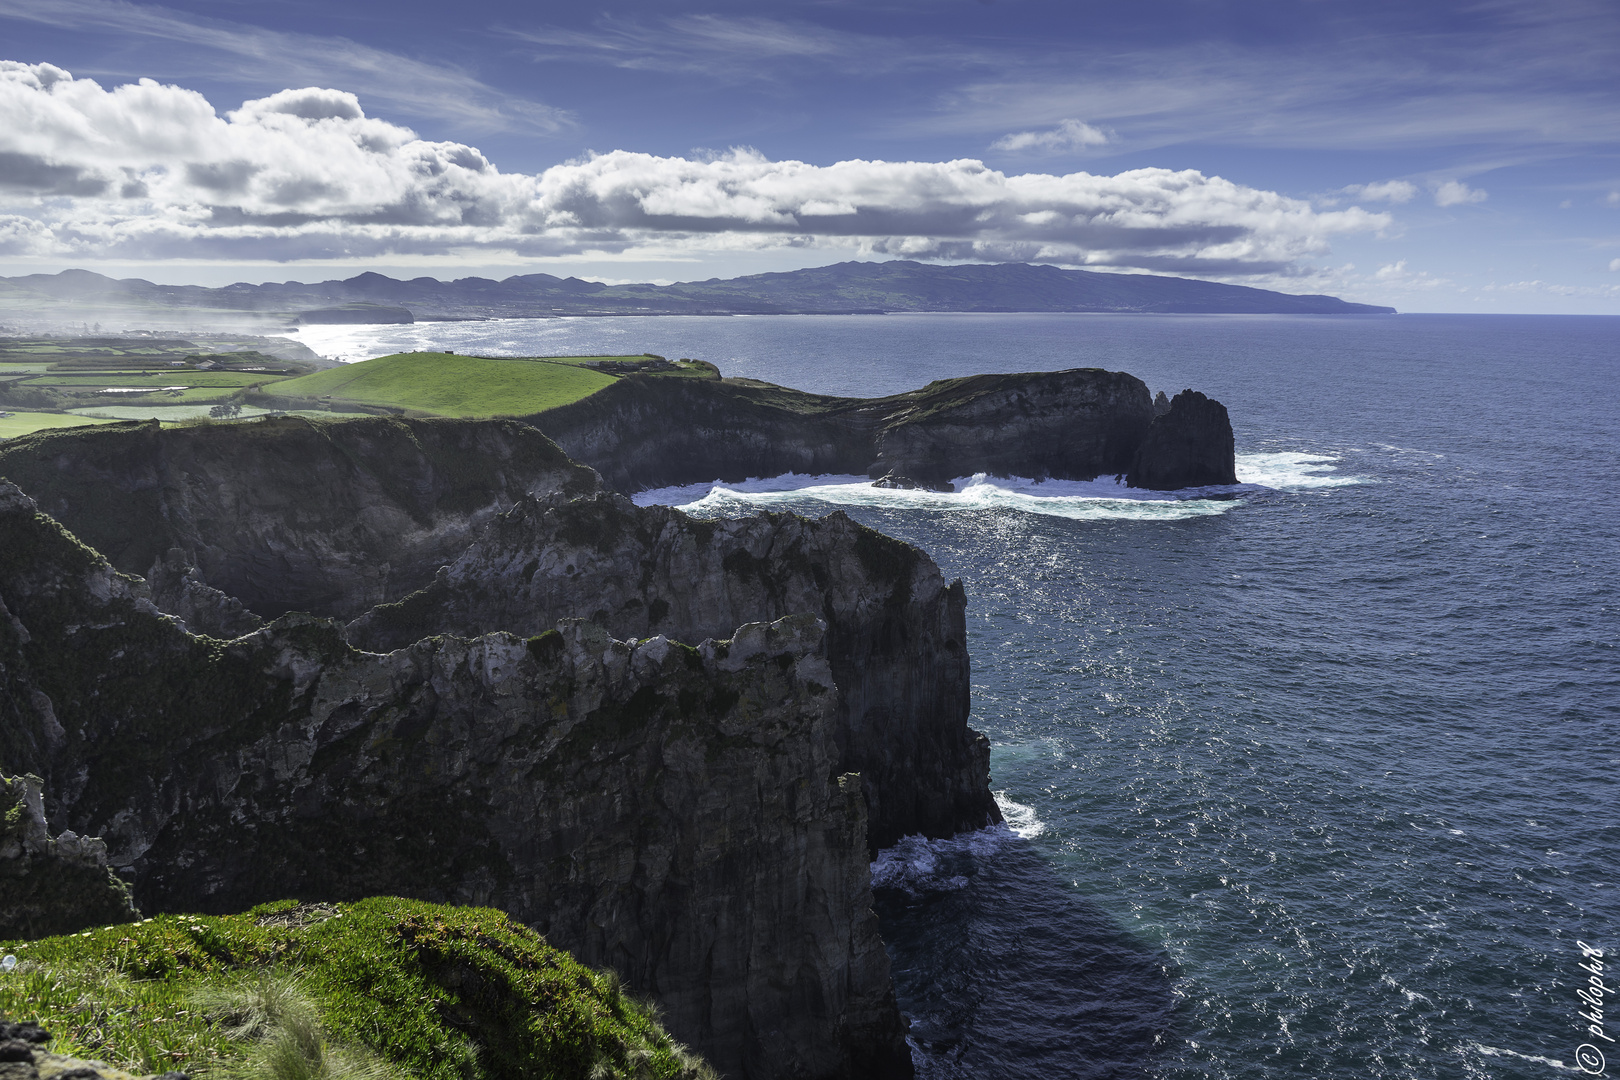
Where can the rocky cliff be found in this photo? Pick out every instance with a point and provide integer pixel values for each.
(251, 520)
(649, 431)
(667, 810)
(896, 641)
(51, 884)
(1188, 444)
(286, 514)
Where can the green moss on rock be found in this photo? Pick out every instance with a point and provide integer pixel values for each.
(439, 992)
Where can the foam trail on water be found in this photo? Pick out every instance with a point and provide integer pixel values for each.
(1082, 500)
(1293, 471)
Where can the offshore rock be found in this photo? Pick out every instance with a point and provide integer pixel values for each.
(670, 812)
(906, 483)
(51, 885)
(1189, 445)
(896, 632)
(287, 514)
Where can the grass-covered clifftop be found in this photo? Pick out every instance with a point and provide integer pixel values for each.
(449, 385)
(419, 990)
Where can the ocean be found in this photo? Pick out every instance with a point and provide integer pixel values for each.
(1312, 777)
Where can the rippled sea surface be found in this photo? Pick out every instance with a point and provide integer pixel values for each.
(1314, 777)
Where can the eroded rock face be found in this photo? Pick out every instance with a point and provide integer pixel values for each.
(670, 811)
(288, 514)
(1189, 445)
(896, 642)
(51, 884)
(647, 432)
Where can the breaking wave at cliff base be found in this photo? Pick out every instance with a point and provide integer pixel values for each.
(1105, 498)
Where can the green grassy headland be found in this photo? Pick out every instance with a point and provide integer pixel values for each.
(450, 385)
(433, 991)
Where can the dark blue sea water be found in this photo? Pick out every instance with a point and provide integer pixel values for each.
(1319, 781)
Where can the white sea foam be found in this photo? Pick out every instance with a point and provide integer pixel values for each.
(1081, 500)
(1021, 819)
(1293, 471)
(1497, 1051)
(918, 864)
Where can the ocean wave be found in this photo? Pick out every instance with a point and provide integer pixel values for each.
(1083, 500)
(1079, 500)
(918, 864)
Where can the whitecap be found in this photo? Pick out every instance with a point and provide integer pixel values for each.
(1020, 819)
(1074, 499)
(1497, 1051)
(1293, 471)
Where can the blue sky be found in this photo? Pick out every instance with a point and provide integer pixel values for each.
(1435, 156)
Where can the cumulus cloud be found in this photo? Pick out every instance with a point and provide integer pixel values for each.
(1066, 137)
(1456, 193)
(1395, 191)
(152, 171)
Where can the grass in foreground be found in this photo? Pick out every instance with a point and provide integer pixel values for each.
(418, 989)
(452, 385)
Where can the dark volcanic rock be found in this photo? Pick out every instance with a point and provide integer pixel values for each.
(646, 432)
(906, 483)
(668, 811)
(51, 885)
(287, 514)
(897, 637)
(1190, 445)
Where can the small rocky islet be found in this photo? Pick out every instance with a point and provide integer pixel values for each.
(446, 660)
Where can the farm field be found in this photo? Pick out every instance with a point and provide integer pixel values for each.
(57, 383)
(13, 424)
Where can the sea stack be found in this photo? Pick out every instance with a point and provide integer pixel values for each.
(1190, 445)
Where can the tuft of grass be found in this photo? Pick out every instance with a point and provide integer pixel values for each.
(338, 992)
(451, 385)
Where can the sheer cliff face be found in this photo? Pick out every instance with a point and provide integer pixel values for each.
(286, 514)
(649, 431)
(1189, 444)
(896, 641)
(671, 811)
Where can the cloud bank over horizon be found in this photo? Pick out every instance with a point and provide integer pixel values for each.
(154, 171)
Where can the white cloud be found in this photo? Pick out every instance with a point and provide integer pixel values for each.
(739, 48)
(1612, 198)
(1066, 137)
(1395, 191)
(1456, 193)
(1396, 274)
(148, 171)
(1614, 265)
(236, 50)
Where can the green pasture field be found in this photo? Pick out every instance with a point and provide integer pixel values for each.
(453, 385)
(26, 423)
(172, 377)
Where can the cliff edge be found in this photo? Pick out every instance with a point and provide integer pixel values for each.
(649, 431)
(670, 811)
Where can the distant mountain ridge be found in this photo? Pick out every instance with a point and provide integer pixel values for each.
(843, 288)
